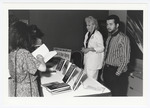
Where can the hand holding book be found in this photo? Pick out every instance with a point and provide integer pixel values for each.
(40, 57)
(44, 51)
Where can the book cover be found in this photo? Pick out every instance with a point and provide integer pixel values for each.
(44, 51)
(78, 80)
(56, 87)
(60, 64)
(69, 73)
(66, 66)
(63, 53)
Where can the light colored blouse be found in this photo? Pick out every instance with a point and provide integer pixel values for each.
(94, 60)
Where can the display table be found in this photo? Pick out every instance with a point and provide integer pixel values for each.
(89, 87)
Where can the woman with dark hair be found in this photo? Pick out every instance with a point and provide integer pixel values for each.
(22, 64)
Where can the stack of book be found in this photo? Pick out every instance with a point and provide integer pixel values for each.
(57, 87)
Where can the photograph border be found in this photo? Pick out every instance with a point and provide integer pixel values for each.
(102, 101)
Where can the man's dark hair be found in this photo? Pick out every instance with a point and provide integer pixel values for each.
(115, 17)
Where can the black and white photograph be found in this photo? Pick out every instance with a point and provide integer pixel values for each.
(105, 41)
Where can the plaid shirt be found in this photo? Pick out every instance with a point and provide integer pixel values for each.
(118, 51)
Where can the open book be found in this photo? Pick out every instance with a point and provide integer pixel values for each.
(44, 51)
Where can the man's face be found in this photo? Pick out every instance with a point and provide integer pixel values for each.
(111, 26)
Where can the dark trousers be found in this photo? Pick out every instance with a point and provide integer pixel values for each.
(117, 84)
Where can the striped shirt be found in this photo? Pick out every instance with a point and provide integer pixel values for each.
(118, 51)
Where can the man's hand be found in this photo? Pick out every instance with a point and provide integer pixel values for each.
(118, 73)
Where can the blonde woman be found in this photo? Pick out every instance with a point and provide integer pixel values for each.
(93, 48)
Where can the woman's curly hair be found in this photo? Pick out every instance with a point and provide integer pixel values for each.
(19, 36)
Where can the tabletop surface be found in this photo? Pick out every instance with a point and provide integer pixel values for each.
(88, 87)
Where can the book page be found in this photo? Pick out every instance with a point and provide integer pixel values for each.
(44, 51)
(49, 55)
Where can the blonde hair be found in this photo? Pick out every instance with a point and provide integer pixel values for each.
(93, 20)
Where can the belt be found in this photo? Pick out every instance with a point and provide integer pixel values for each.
(107, 65)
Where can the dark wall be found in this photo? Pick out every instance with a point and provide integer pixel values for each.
(21, 14)
(64, 28)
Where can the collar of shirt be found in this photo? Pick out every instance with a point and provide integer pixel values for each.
(90, 34)
(114, 33)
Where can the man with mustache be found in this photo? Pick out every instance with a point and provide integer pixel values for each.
(117, 57)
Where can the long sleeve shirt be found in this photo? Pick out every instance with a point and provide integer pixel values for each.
(118, 51)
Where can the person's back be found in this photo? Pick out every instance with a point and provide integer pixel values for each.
(22, 64)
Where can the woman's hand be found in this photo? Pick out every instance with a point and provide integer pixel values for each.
(85, 50)
(42, 66)
(40, 58)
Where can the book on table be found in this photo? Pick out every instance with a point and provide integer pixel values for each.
(60, 65)
(57, 87)
(44, 51)
(66, 66)
(69, 73)
(79, 77)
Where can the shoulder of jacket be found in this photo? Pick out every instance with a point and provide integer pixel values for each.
(123, 36)
(97, 32)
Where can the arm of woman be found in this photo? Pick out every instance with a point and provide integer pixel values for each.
(42, 66)
(35, 64)
(98, 47)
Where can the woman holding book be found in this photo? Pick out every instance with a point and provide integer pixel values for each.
(22, 64)
(93, 48)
